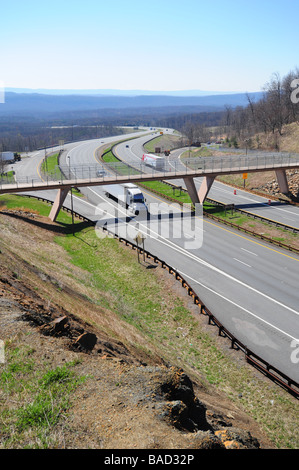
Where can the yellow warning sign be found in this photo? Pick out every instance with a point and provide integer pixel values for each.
(245, 176)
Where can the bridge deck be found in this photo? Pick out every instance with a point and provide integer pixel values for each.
(201, 168)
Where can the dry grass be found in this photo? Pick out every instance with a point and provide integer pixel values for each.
(158, 324)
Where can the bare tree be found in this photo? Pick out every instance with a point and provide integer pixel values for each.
(277, 109)
(3, 164)
(291, 106)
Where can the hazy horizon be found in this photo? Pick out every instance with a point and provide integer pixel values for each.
(121, 92)
(230, 47)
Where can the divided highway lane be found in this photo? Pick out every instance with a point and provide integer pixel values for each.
(257, 280)
(29, 166)
(251, 288)
(278, 211)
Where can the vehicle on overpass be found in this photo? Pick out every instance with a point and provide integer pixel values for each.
(101, 172)
(128, 195)
(153, 161)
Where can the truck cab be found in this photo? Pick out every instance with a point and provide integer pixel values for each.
(135, 199)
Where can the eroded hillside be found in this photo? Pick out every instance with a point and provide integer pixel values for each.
(143, 387)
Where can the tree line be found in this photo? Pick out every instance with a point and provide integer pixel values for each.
(22, 135)
(278, 106)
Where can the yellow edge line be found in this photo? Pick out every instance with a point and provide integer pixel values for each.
(222, 228)
(253, 241)
(94, 153)
(233, 233)
(237, 235)
(38, 168)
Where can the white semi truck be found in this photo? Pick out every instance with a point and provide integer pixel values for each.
(154, 161)
(128, 195)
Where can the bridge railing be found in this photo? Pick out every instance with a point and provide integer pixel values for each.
(242, 162)
(130, 169)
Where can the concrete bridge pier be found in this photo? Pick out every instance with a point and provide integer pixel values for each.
(282, 181)
(59, 200)
(200, 195)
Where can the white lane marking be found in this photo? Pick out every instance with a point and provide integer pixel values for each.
(289, 218)
(217, 188)
(237, 305)
(251, 252)
(219, 271)
(265, 204)
(236, 259)
(74, 148)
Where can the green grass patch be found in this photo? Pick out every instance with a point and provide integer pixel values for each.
(7, 177)
(50, 163)
(163, 189)
(108, 157)
(121, 168)
(227, 216)
(152, 144)
(118, 282)
(11, 201)
(39, 398)
(50, 166)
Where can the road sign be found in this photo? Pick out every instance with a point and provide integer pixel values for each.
(245, 175)
(139, 238)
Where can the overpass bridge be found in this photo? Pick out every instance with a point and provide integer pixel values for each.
(65, 178)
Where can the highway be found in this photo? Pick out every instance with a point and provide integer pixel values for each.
(278, 211)
(250, 287)
(30, 162)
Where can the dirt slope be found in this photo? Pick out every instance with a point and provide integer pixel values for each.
(131, 399)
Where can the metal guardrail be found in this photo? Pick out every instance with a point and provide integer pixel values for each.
(260, 364)
(256, 216)
(278, 377)
(194, 166)
(263, 366)
(242, 211)
(242, 161)
(232, 225)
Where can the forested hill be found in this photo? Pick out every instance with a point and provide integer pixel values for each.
(36, 104)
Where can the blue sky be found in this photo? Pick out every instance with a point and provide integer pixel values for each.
(156, 45)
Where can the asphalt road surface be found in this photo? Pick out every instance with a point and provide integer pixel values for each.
(276, 210)
(250, 287)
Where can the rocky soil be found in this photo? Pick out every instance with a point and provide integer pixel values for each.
(126, 403)
(129, 401)
(272, 187)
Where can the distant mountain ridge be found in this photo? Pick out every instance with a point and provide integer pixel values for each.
(38, 104)
(115, 92)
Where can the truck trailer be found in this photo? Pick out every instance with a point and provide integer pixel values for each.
(10, 157)
(154, 161)
(7, 157)
(128, 195)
